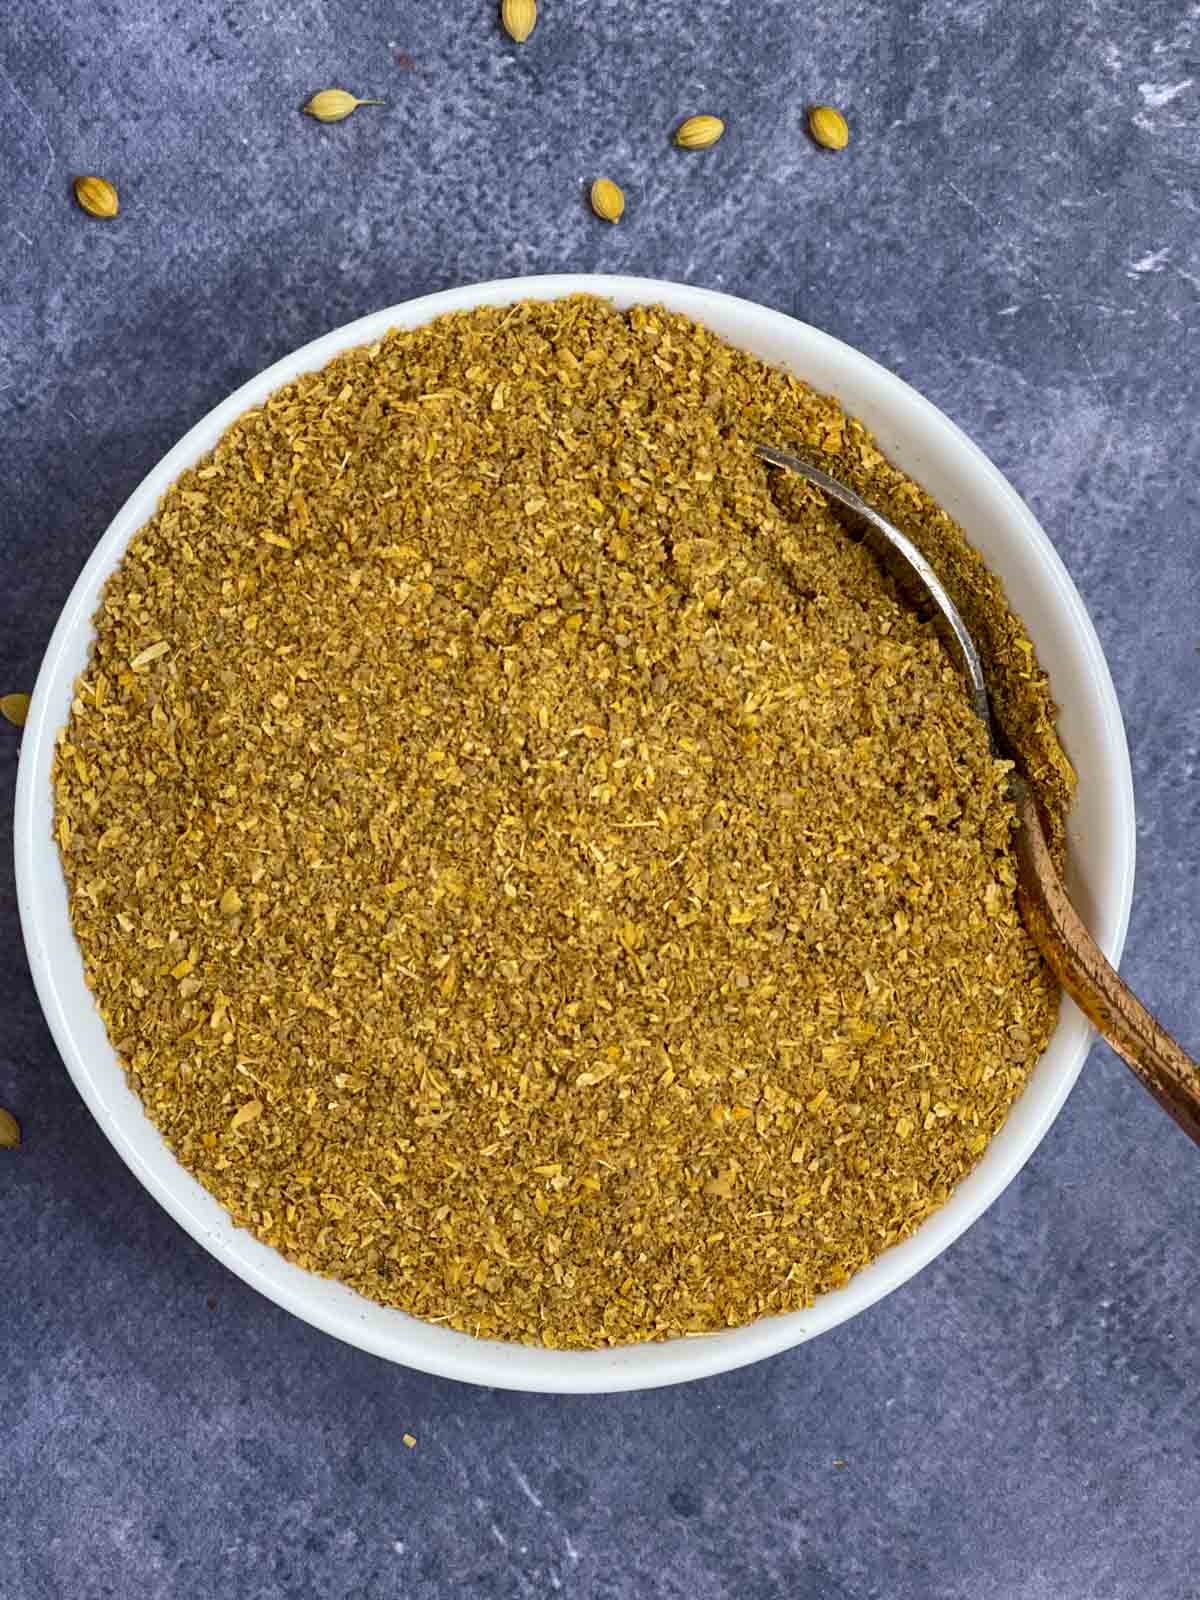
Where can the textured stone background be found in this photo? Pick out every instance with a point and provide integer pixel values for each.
(1014, 229)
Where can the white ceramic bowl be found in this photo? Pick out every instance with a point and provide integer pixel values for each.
(928, 446)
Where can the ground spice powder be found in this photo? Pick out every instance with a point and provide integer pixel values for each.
(531, 865)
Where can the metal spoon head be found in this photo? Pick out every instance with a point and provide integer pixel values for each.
(898, 555)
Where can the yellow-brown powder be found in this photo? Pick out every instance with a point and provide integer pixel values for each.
(531, 865)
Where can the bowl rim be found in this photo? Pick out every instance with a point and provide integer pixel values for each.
(58, 973)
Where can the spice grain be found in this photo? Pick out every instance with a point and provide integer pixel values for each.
(14, 708)
(96, 196)
(828, 127)
(699, 133)
(608, 200)
(519, 18)
(335, 105)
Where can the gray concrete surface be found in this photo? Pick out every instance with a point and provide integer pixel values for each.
(1014, 229)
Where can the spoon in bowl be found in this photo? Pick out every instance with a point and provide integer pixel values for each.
(1057, 929)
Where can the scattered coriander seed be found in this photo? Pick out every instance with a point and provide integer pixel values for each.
(10, 1131)
(15, 708)
(96, 196)
(335, 105)
(828, 127)
(699, 133)
(608, 200)
(519, 18)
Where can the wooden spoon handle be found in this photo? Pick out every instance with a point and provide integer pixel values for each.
(1078, 963)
